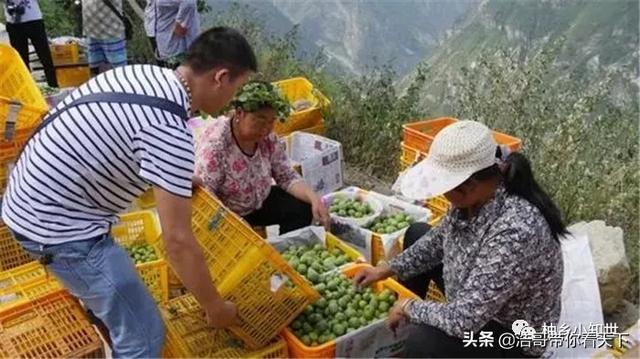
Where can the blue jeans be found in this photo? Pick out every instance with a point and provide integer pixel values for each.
(99, 272)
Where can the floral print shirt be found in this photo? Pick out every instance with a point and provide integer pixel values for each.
(240, 181)
(502, 265)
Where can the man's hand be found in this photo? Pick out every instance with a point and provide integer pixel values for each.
(179, 30)
(222, 315)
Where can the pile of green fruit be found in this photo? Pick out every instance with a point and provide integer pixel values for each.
(311, 261)
(47, 90)
(341, 310)
(347, 207)
(141, 253)
(391, 223)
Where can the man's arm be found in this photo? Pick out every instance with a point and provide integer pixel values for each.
(188, 261)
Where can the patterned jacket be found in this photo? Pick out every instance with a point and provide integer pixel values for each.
(100, 22)
(502, 265)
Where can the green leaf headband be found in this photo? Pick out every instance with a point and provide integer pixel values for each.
(255, 96)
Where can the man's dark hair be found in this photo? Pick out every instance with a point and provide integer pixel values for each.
(221, 47)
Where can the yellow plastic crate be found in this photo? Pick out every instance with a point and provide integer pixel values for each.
(335, 242)
(11, 253)
(63, 54)
(439, 206)
(434, 293)
(26, 292)
(24, 284)
(53, 326)
(189, 336)
(299, 88)
(147, 200)
(247, 271)
(22, 274)
(16, 84)
(72, 75)
(411, 155)
(318, 129)
(404, 164)
(138, 228)
(9, 151)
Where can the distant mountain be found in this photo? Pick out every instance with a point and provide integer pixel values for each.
(357, 34)
(597, 35)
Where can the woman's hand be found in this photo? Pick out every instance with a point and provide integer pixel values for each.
(320, 213)
(396, 315)
(371, 275)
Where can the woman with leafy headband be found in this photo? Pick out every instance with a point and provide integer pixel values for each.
(238, 158)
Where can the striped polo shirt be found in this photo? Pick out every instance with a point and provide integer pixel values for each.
(94, 159)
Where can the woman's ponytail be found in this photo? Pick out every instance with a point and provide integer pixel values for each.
(519, 180)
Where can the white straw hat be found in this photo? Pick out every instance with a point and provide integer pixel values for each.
(458, 151)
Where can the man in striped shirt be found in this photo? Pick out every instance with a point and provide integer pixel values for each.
(97, 151)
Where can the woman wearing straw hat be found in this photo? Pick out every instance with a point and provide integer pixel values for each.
(498, 247)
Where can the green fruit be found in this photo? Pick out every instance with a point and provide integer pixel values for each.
(313, 336)
(306, 327)
(321, 303)
(313, 275)
(368, 313)
(333, 307)
(302, 268)
(329, 264)
(363, 321)
(296, 325)
(362, 304)
(385, 294)
(320, 287)
(339, 329)
(383, 307)
(373, 302)
(341, 317)
(315, 318)
(354, 322)
(344, 301)
(350, 312)
(317, 266)
(306, 340)
(322, 325)
(323, 339)
(308, 310)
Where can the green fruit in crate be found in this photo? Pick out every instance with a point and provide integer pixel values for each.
(350, 208)
(141, 253)
(313, 261)
(341, 310)
(390, 223)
